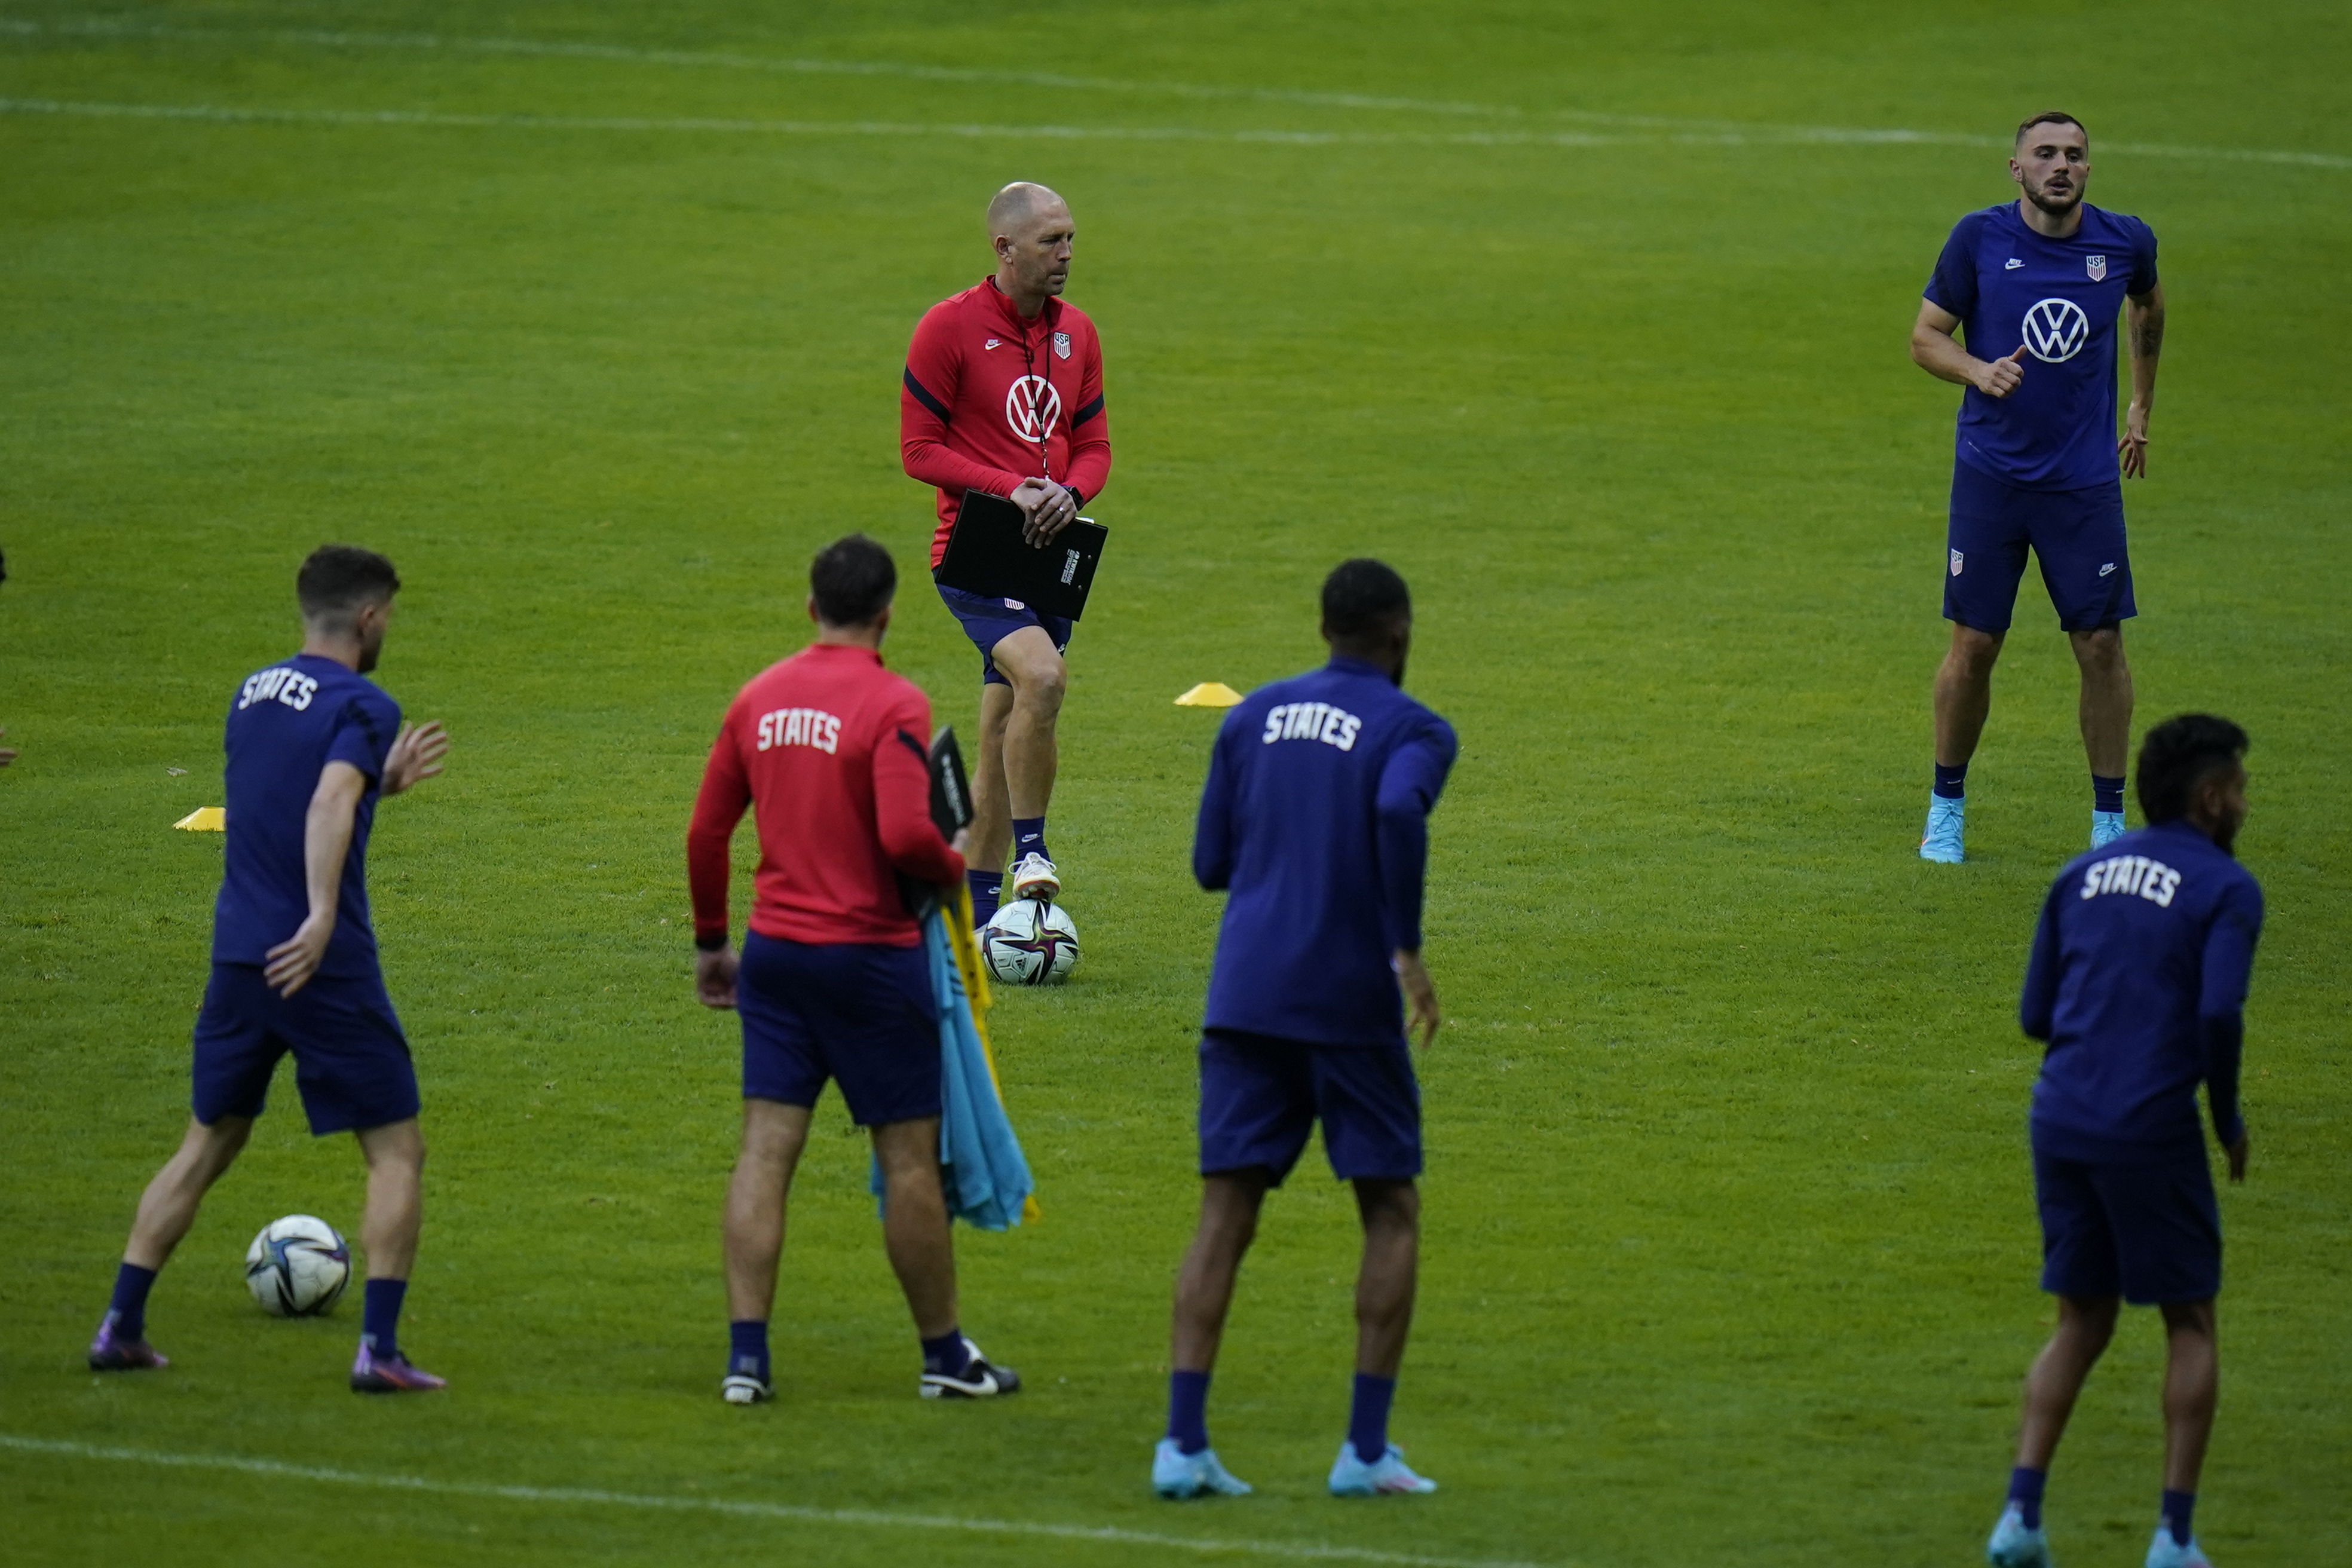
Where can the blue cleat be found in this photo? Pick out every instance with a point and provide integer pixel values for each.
(1947, 820)
(1350, 1476)
(112, 1351)
(1177, 1475)
(2106, 826)
(2165, 1552)
(2014, 1546)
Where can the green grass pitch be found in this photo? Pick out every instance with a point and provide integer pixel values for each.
(1577, 314)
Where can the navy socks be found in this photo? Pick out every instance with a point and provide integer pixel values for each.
(747, 1348)
(2178, 1507)
(2025, 1490)
(1028, 837)
(987, 893)
(947, 1354)
(1952, 783)
(1368, 1419)
(2107, 794)
(1188, 1410)
(380, 1318)
(128, 1308)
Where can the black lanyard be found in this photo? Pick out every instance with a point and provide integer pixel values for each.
(1041, 410)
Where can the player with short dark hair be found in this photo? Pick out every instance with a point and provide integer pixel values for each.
(2034, 287)
(1004, 395)
(2138, 980)
(311, 748)
(1315, 819)
(828, 751)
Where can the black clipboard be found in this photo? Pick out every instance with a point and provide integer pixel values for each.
(950, 813)
(986, 555)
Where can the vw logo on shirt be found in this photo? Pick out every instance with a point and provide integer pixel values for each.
(2055, 330)
(1032, 405)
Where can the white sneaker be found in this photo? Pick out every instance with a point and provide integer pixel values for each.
(1034, 877)
(742, 1388)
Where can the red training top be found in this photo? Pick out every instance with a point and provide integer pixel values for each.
(990, 400)
(827, 748)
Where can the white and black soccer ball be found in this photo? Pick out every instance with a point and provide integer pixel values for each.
(298, 1267)
(1030, 943)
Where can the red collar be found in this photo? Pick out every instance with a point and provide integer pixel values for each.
(1012, 315)
(874, 654)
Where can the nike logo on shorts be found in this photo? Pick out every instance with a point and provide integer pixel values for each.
(2107, 568)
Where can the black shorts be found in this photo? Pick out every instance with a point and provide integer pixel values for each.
(351, 1060)
(2147, 1231)
(2077, 535)
(857, 1013)
(1261, 1097)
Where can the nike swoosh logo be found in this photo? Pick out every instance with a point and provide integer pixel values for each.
(2011, 265)
(2107, 568)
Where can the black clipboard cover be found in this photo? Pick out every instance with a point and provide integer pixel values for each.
(986, 555)
(951, 788)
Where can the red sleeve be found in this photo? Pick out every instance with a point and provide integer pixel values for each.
(726, 791)
(1090, 429)
(902, 794)
(926, 394)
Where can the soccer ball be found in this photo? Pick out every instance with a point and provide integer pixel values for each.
(298, 1267)
(1030, 943)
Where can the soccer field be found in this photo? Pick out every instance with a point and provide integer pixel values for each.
(1591, 318)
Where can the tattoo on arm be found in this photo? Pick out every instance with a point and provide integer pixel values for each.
(2148, 336)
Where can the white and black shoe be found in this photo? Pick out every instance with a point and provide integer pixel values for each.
(1036, 878)
(978, 1380)
(742, 1388)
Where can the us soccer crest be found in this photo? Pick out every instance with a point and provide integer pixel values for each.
(2097, 267)
(1062, 339)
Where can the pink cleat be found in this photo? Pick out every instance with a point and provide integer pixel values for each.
(111, 1352)
(372, 1374)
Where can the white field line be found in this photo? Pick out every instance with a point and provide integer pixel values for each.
(1753, 137)
(858, 1517)
(1694, 132)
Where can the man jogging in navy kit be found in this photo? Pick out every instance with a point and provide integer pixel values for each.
(2035, 286)
(2137, 980)
(1315, 818)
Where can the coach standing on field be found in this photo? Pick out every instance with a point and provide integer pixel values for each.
(2035, 286)
(1004, 393)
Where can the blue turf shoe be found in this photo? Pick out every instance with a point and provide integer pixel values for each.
(2014, 1546)
(2165, 1552)
(1947, 819)
(2106, 826)
(1350, 1476)
(112, 1350)
(1177, 1475)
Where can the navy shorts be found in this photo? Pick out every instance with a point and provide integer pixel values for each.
(988, 622)
(1261, 1096)
(2077, 535)
(857, 1013)
(351, 1060)
(2150, 1232)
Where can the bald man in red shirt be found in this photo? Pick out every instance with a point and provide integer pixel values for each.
(827, 750)
(1004, 393)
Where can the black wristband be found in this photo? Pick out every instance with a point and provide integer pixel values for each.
(1077, 496)
(709, 941)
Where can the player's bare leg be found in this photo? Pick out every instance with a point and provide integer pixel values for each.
(1964, 693)
(1183, 1465)
(2086, 1324)
(923, 1255)
(1230, 1203)
(2192, 1386)
(753, 1234)
(915, 1222)
(991, 805)
(1038, 677)
(388, 1232)
(1963, 698)
(1384, 1286)
(168, 1207)
(2106, 707)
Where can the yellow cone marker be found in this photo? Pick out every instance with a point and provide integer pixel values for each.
(206, 819)
(1210, 694)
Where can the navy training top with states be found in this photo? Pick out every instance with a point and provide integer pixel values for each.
(1316, 816)
(2058, 298)
(285, 723)
(2137, 979)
